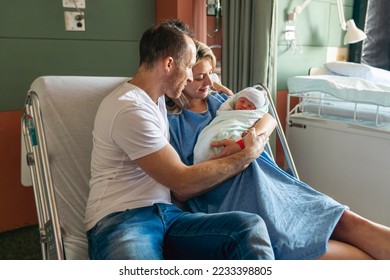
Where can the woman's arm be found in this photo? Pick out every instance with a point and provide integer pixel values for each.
(266, 125)
(222, 88)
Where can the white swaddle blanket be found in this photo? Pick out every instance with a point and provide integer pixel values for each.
(227, 124)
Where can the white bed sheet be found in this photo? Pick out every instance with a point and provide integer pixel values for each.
(351, 89)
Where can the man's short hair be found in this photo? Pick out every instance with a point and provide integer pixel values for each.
(163, 40)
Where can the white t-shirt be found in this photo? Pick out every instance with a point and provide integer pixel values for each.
(128, 126)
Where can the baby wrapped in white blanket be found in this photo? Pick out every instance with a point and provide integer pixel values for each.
(235, 116)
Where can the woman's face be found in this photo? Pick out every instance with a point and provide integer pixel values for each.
(200, 86)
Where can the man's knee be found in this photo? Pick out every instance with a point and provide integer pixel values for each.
(250, 222)
(254, 237)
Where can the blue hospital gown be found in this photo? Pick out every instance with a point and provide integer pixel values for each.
(299, 219)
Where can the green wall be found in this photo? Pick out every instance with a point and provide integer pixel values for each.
(33, 42)
(317, 27)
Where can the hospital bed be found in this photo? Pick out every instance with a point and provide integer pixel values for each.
(57, 125)
(338, 129)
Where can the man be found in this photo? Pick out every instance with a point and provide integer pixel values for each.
(129, 213)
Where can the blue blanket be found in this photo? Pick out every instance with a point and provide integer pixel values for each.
(299, 219)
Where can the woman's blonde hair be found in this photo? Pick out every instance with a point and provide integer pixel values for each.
(175, 106)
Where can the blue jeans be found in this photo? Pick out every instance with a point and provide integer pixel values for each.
(163, 231)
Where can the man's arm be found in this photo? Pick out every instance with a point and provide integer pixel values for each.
(185, 181)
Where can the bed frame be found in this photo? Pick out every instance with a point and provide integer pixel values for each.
(343, 153)
(57, 125)
(57, 128)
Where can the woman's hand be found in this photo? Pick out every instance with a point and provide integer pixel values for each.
(220, 87)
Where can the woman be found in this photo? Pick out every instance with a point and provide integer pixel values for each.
(302, 223)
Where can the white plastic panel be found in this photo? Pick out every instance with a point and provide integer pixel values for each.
(349, 163)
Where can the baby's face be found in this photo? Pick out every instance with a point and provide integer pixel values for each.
(244, 104)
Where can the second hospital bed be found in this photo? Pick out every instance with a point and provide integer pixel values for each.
(339, 133)
(57, 128)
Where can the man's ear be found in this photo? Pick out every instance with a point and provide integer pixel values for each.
(168, 63)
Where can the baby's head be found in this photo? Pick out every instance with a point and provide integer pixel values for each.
(249, 99)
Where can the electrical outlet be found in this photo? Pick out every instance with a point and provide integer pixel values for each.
(290, 33)
(72, 4)
(74, 21)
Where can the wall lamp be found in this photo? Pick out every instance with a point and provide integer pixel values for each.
(352, 35)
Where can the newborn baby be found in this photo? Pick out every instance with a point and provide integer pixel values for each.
(235, 116)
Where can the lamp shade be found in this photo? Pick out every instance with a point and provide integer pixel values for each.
(353, 34)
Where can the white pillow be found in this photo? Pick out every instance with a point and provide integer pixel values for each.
(363, 71)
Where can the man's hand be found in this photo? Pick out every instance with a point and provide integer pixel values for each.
(229, 147)
(253, 143)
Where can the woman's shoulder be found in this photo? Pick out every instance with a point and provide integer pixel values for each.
(215, 100)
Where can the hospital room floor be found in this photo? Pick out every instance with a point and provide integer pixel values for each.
(20, 244)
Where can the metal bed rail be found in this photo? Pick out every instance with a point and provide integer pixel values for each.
(38, 162)
(280, 132)
(326, 104)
